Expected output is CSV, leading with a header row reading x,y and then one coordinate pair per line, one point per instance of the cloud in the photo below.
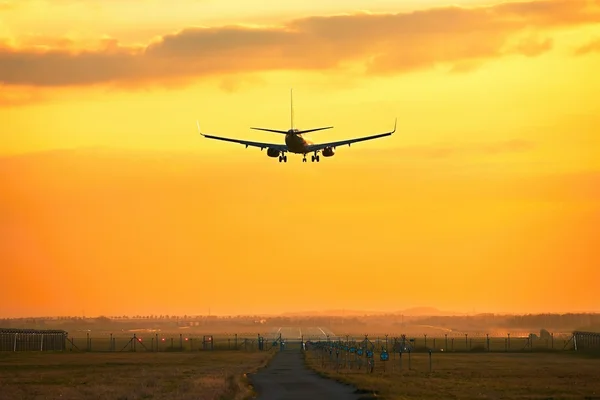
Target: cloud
x,y
13,96
232,83
466,66
591,47
6,5
381,43
532,46
42,42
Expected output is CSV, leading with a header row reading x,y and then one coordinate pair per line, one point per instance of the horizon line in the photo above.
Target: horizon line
x,y
306,313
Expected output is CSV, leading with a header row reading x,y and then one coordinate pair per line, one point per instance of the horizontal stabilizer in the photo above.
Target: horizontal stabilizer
x,y
271,130
313,130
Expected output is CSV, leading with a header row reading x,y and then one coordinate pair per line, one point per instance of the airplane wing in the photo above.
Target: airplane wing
x,y
321,146
280,147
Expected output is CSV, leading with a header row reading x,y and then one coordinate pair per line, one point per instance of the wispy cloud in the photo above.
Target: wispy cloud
x,y
18,95
7,5
591,47
532,46
382,43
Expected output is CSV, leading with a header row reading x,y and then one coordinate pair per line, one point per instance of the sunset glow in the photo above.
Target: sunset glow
x,y
487,197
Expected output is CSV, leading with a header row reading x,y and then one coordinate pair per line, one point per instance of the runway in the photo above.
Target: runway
x,y
306,333
287,377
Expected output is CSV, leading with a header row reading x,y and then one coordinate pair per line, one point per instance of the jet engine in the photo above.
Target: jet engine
x,y
328,152
271,152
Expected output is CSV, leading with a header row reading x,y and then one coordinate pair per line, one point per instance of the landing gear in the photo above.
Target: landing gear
x,y
313,158
283,158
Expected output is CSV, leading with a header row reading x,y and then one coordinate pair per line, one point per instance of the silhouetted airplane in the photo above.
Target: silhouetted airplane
x,y
295,143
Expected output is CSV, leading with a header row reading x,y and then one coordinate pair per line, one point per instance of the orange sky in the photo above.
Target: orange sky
x,y
486,198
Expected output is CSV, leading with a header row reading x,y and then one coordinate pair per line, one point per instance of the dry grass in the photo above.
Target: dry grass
x,y
474,376
179,376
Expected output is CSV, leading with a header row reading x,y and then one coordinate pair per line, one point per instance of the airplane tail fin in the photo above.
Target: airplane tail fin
x,y
292,109
292,129
300,132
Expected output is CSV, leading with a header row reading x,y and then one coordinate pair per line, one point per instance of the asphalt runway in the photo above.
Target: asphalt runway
x,y
296,333
287,378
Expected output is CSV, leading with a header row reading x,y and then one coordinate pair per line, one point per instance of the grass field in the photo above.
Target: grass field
x,y
473,376
200,375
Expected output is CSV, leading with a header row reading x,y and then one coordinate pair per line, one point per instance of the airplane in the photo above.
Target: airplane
x,y
295,143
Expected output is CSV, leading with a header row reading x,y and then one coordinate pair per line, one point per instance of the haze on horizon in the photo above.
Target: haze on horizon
x,y
487,197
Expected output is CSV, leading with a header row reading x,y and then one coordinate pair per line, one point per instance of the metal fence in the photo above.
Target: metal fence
x,y
586,341
166,343
32,340
58,340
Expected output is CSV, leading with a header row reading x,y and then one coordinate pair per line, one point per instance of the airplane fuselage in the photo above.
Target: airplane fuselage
x,y
296,143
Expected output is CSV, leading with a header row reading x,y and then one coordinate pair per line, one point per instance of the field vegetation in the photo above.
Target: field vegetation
x,y
537,375
128,375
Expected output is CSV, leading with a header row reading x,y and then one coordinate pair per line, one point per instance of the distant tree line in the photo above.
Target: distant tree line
x,y
554,322
536,321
